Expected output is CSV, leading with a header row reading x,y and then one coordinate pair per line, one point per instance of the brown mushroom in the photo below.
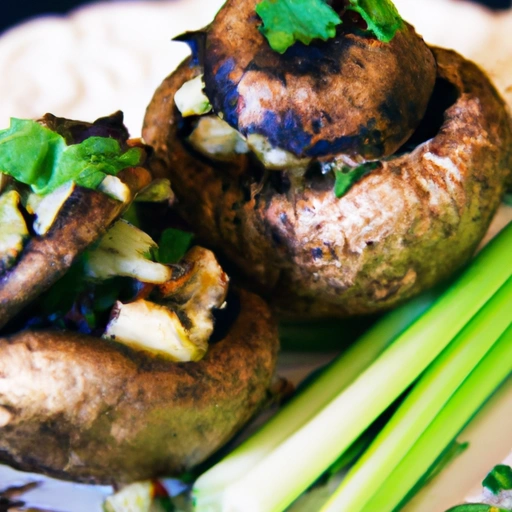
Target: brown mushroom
x,y
106,399
86,409
408,224
352,95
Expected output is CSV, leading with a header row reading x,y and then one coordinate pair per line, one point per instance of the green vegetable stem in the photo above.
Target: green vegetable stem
x,y
274,478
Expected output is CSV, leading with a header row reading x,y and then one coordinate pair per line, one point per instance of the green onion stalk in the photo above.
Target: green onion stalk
x,y
469,398
340,373
428,398
277,479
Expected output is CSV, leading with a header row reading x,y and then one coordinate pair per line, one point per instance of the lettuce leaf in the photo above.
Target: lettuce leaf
x,y
41,158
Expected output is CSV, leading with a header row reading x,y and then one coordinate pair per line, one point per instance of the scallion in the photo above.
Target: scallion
x,y
424,403
275,481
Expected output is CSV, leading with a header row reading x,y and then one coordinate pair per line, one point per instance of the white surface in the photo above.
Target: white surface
x,y
112,56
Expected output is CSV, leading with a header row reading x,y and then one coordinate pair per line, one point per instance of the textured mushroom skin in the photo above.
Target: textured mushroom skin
x,y
402,228
337,97
84,409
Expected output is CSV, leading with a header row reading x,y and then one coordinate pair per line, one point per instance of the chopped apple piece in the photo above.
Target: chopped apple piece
x,y
147,326
13,230
47,208
214,138
123,251
112,186
191,99
136,497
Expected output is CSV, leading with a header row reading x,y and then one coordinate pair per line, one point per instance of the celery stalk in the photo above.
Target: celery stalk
x,y
273,483
424,403
304,406
478,387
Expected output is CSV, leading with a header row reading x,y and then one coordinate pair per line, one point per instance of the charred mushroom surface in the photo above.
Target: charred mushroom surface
x,y
351,95
81,408
408,224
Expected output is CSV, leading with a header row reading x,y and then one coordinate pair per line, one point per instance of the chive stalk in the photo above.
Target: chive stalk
x,y
424,403
339,374
273,483
492,371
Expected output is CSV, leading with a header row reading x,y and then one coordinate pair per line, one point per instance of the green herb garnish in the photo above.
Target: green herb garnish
x,y
39,157
347,176
381,17
287,21
172,246
499,479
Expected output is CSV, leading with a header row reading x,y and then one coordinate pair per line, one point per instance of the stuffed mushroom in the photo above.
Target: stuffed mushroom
x,y
340,177
121,358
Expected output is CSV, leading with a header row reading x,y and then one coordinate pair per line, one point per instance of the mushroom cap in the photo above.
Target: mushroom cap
x,y
405,226
85,409
351,95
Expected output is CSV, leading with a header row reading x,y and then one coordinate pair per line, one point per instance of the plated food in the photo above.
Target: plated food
x,y
121,359
337,222
141,401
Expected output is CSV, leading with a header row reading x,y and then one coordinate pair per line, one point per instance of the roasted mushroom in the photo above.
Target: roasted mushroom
x,y
117,363
322,173
83,408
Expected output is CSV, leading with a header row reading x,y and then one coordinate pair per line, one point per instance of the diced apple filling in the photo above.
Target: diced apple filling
x,y
13,229
180,324
191,99
47,208
124,251
144,325
214,138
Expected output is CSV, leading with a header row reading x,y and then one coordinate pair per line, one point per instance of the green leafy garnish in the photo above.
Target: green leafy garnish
x,y
381,16
499,479
172,246
287,21
39,157
347,176
507,199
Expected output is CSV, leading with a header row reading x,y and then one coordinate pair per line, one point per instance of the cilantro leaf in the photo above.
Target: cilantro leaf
x,y
173,245
39,157
287,21
499,479
381,16
347,176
